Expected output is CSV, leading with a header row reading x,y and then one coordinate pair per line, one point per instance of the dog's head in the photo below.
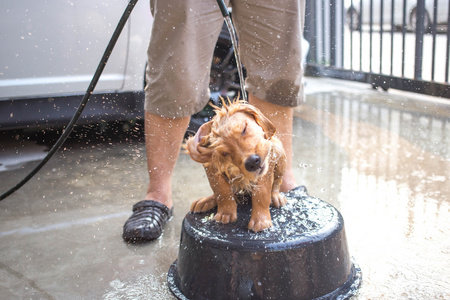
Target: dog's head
x,y
237,141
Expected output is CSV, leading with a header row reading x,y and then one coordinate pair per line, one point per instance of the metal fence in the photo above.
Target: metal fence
x,y
400,44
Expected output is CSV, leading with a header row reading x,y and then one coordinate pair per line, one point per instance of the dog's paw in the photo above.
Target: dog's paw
x,y
259,224
278,200
225,217
203,204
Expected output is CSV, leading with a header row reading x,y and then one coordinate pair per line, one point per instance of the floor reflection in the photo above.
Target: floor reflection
x,y
389,168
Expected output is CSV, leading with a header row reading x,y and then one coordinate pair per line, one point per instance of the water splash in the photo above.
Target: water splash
x,y
144,287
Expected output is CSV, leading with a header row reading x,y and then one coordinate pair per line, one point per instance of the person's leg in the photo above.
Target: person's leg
x,y
270,43
179,59
270,35
282,117
163,138
180,52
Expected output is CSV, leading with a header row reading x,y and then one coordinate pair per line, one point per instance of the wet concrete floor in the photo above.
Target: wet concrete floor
x,y
382,159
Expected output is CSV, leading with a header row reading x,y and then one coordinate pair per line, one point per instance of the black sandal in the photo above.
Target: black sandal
x,y
147,221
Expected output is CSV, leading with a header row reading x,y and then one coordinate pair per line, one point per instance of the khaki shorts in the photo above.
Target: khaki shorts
x,y
182,46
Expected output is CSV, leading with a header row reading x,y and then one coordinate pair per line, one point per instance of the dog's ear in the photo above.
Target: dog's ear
x,y
261,120
197,146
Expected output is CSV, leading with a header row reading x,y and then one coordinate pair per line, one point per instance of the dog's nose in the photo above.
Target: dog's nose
x,y
253,163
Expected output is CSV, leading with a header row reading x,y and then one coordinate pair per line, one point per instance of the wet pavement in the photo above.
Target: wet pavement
x,y
382,159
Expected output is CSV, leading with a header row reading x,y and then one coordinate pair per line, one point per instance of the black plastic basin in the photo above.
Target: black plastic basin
x,y
303,256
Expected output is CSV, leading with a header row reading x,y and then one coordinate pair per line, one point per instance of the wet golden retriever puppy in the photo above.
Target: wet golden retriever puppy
x,y
240,153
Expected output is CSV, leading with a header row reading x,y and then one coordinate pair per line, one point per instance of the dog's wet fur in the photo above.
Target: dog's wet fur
x,y
240,153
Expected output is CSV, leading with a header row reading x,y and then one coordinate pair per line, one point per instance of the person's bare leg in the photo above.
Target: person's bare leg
x,y
163,139
282,117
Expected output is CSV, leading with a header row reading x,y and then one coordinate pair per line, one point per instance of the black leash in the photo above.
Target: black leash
x,y
68,130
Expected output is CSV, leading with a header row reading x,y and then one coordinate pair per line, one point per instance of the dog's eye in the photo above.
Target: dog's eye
x,y
224,154
244,130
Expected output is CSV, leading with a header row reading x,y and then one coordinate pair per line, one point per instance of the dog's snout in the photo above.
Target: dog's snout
x,y
253,163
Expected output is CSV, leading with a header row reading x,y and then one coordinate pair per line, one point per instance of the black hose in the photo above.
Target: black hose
x,y
223,8
68,130
227,17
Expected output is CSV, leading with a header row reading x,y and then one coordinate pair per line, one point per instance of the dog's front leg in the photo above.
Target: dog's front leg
x,y
226,210
223,195
261,198
278,199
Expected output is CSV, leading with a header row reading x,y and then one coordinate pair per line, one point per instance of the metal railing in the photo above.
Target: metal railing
x,y
399,44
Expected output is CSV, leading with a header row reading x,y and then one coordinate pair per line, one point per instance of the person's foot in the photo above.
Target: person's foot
x,y
147,221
